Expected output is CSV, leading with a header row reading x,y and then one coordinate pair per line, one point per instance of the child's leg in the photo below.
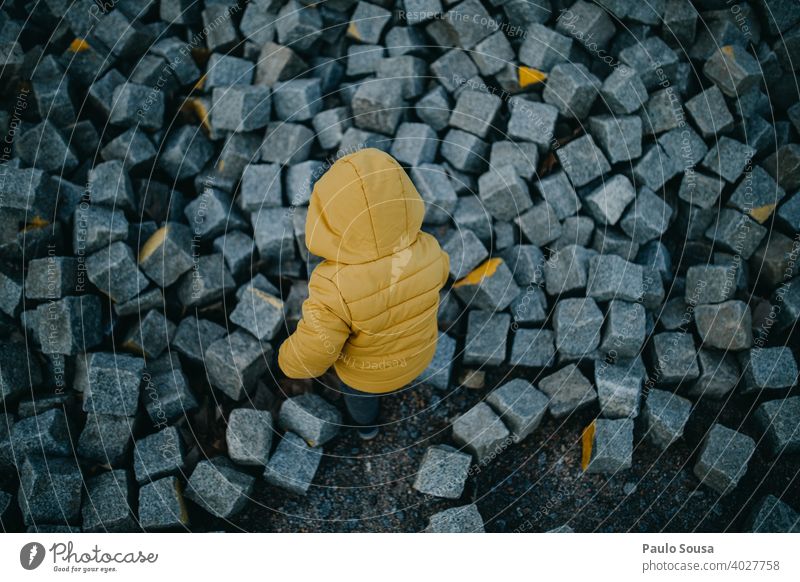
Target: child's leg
x,y
362,406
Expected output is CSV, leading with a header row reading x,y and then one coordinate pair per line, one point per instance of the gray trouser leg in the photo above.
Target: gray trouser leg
x,y
362,406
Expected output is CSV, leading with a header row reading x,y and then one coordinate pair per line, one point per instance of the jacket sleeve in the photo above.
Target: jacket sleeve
x,y
324,328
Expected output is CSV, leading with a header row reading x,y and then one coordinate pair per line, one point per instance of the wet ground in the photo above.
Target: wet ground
x,y
532,486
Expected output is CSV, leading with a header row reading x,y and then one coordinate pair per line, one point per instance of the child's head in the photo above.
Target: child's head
x,y
363,208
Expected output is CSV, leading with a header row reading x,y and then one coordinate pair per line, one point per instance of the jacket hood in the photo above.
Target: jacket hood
x,y
363,208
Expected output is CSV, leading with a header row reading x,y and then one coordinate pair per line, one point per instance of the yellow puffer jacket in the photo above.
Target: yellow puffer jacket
x,y
371,310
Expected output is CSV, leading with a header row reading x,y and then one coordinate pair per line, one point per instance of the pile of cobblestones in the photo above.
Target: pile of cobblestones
x,y
616,184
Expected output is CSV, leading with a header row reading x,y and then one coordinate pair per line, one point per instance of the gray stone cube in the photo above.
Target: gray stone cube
x,y
465,519
287,143
619,387
582,160
161,505
728,158
112,384
443,472
533,348
453,69
150,335
158,455
543,48
767,369
224,70
719,374
674,358
487,334
611,277
259,313
777,420
114,272
193,335
106,439
771,515
569,391
611,446
490,286
608,202
70,325
572,88
378,105
521,407
493,53
260,187
566,270
107,506
466,252
475,112
577,323
522,156
464,151
293,465
623,91
666,415
330,125
733,69
652,60
167,254
532,121
709,112
297,99
504,194
137,105
736,232
219,488
240,107
45,434
647,218
249,436
235,362
311,417
414,144
655,168
624,332
50,490
434,108
51,278
723,458
481,432
539,224
709,284
726,326
438,372
619,136
436,190
526,263
168,397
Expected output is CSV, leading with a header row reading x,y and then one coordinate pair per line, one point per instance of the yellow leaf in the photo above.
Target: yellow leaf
x,y
78,45
155,241
762,213
36,222
587,440
530,76
201,112
352,31
481,272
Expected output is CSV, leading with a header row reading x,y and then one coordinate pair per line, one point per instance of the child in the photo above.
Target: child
x,y
372,303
